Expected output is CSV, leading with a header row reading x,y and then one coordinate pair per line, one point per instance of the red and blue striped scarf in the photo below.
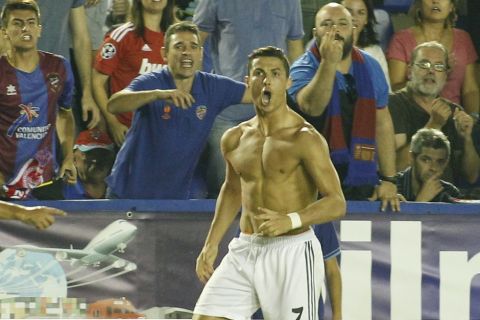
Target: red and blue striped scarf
x,y
361,154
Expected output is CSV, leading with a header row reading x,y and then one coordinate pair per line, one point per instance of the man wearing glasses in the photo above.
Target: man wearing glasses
x,y
342,91
418,106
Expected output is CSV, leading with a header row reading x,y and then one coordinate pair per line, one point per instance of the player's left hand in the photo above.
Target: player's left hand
x,y
387,193
274,224
90,107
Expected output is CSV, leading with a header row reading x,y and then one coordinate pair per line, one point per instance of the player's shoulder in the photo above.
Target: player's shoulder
x,y
231,137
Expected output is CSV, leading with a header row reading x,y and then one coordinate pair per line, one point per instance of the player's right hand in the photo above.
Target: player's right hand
x,y
205,262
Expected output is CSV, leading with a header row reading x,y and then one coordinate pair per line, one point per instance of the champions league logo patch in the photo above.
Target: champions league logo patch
x,y
108,51
201,112
54,81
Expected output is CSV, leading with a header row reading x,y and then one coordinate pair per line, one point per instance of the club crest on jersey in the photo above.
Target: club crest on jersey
x,y
54,81
166,112
201,112
108,51
11,90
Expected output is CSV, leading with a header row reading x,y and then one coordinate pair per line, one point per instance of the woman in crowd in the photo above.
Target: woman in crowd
x,y
128,51
434,21
364,34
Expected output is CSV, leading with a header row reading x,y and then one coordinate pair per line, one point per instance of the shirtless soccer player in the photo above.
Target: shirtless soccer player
x,y
277,165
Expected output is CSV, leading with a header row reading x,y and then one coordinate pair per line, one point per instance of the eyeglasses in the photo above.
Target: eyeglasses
x,y
427,65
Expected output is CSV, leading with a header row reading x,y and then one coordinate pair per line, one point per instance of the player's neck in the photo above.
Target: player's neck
x,y
26,61
273,121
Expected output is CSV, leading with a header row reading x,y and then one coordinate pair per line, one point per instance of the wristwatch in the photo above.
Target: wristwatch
x,y
391,179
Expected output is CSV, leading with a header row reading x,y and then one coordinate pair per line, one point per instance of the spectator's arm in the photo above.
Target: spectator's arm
x,y
127,100
315,96
387,191
470,159
470,92
334,285
397,71
39,217
115,128
203,36
82,48
295,49
66,133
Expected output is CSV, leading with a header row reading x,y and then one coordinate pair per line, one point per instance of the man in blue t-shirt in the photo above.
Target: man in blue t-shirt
x,y
174,111
342,91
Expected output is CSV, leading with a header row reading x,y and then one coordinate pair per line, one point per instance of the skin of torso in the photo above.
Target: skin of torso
x,y
271,173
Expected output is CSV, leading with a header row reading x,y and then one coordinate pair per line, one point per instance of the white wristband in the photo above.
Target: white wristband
x,y
295,219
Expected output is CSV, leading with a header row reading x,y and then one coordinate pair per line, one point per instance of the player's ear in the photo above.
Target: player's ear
x,y
246,80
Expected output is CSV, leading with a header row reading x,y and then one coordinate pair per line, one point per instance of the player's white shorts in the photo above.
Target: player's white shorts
x,y
282,275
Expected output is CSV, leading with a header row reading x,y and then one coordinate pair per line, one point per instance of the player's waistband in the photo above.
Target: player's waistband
x,y
257,239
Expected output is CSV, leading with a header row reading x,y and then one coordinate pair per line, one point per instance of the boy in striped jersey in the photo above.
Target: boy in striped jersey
x,y
35,106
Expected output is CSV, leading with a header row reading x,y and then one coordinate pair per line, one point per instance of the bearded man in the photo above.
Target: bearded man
x,y
419,106
342,91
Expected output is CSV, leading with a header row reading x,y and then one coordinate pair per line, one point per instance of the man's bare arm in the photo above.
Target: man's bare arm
x,y
387,191
127,100
228,205
66,137
39,217
315,96
295,49
334,285
316,159
82,48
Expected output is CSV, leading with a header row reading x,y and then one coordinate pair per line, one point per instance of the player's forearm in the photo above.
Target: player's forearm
x,y
125,100
329,208
315,96
384,137
227,208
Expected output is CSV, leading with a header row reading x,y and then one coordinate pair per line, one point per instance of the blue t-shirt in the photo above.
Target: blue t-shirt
x,y
237,27
162,148
304,68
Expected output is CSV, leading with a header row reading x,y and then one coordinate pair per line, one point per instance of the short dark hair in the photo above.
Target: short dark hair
x,y
269,51
184,26
11,5
429,138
